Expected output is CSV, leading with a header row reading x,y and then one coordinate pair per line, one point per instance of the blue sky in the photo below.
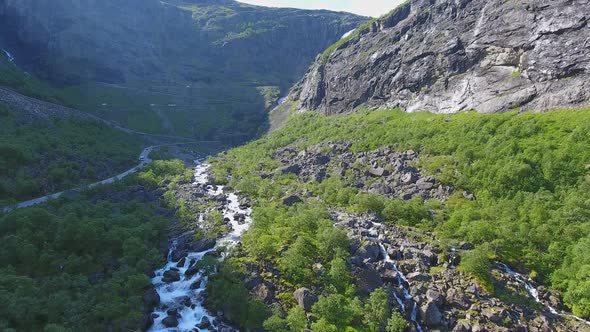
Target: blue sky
x,y
373,8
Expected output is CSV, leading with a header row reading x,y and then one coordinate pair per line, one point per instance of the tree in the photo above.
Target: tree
x,y
396,323
376,310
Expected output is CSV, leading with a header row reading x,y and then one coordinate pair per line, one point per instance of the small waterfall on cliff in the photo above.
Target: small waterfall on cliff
x,y
183,298
8,55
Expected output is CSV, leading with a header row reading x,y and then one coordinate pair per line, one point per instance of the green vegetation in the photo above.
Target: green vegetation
x,y
41,157
529,173
358,32
80,263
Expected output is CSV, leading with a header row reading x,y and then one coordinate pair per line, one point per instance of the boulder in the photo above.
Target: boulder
x,y
292,200
146,322
418,276
378,172
370,252
367,279
204,245
170,321
151,298
431,315
204,324
171,275
294,169
305,298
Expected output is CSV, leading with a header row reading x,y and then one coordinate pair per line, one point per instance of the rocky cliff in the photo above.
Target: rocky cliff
x,y
447,56
192,66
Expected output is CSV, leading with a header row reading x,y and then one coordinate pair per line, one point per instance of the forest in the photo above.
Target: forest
x,y
529,174
82,262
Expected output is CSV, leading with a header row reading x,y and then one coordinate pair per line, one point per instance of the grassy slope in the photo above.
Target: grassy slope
x,y
52,155
528,171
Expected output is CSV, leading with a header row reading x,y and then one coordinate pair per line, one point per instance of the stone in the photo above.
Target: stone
x,y
294,169
204,245
204,324
431,315
452,56
418,276
305,298
292,200
151,298
378,172
171,275
170,321
371,253
367,279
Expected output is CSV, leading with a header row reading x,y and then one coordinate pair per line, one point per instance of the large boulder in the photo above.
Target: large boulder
x,y
305,298
204,245
430,315
151,298
171,275
170,321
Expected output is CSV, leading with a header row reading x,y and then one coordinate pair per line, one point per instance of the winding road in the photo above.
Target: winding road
x,y
144,158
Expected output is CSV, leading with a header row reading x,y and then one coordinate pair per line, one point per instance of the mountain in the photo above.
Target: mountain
x,y
449,56
192,68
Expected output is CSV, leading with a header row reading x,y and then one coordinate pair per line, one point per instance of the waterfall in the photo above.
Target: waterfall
x,y
185,295
403,282
8,55
526,282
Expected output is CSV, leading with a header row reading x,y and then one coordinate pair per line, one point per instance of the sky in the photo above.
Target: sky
x,y
373,8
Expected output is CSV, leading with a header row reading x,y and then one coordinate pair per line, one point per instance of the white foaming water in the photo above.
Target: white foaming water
x,y
403,282
8,55
347,34
282,100
174,295
535,293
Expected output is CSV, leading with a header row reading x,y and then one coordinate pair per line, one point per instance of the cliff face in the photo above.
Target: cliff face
x,y
208,58
447,56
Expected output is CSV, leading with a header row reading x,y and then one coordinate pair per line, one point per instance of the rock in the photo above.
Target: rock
x,y
204,245
378,172
370,252
191,271
418,276
151,298
367,279
390,276
408,178
181,262
294,169
468,195
170,321
147,320
462,327
304,298
292,200
264,292
425,184
171,275
451,56
434,297
430,315
252,282
204,324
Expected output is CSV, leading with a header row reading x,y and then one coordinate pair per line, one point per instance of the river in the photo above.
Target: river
x,y
181,301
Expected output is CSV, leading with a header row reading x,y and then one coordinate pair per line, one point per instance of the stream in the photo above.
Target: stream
x,y
526,282
403,286
182,300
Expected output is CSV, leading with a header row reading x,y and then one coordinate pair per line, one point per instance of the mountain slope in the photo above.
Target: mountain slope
x,y
448,56
191,68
